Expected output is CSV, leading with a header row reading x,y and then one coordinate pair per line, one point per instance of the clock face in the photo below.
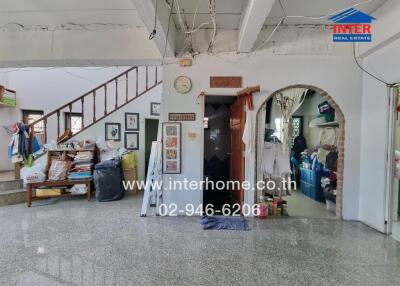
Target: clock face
x,y
183,84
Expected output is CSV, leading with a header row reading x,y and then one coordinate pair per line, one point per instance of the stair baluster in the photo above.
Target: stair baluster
x,y
105,99
147,77
116,93
94,106
137,81
83,113
126,88
58,123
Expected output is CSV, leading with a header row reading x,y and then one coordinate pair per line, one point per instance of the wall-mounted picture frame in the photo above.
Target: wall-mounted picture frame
x,y
132,122
155,108
112,131
131,140
172,147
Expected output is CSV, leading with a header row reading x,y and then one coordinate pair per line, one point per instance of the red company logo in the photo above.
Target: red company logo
x,y
352,25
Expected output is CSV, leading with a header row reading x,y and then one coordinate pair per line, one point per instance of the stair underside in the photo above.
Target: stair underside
x,y
10,185
12,197
11,192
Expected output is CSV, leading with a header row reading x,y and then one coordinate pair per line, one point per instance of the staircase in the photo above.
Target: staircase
x,y
93,106
11,191
100,102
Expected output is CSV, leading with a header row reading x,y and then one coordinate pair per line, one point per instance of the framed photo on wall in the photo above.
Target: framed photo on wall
x,y
132,140
155,108
113,131
131,121
172,147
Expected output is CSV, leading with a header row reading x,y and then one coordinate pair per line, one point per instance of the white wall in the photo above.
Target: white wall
x,y
373,187
382,60
309,110
49,88
140,105
335,74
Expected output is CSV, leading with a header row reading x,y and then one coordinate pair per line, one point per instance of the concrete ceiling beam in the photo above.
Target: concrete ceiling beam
x,y
252,21
146,10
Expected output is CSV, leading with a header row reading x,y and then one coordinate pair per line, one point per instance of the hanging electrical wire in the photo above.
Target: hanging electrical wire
x,y
332,13
166,36
270,35
154,32
180,20
306,17
367,72
211,7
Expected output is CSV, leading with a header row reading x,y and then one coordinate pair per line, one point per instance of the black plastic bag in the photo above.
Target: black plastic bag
x,y
108,181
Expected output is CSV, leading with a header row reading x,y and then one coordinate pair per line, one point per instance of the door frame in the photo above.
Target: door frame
x,y
202,102
340,144
393,94
144,148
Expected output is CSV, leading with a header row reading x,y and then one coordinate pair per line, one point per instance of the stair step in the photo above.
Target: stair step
x,y
10,185
12,197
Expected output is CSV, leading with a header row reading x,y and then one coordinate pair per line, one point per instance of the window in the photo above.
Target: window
x,y
30,116
73,122
297,128
278,128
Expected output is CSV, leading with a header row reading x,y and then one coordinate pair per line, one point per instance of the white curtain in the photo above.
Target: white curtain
x,y
248,132
289,101
260,145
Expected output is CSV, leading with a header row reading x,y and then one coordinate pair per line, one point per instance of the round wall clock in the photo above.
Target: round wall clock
x,y
183,84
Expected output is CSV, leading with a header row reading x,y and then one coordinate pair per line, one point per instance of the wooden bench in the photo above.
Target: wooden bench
x,y
63,183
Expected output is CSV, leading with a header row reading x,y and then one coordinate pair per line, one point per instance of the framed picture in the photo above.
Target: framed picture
x,y
113,131
155,108
132,140
172,147
131,121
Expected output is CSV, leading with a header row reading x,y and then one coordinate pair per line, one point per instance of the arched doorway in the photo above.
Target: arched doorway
x,y
339,117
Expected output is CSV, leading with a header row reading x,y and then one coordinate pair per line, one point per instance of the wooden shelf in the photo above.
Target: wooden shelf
x,y
328,124
72,150
62,153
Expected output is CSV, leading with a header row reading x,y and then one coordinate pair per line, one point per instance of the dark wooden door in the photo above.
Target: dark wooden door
x,y
151,129
237,121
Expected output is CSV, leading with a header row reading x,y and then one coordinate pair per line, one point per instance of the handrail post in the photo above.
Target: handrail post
x,y
45,130
70,116
58,123
137,81
105,99
116,93
94,106
156,75
126,87
147,77
83,113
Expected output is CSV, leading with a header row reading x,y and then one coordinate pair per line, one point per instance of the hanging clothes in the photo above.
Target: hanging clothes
x,y
321,155
328,136
275,160
248,137
289,101
19,145
299,145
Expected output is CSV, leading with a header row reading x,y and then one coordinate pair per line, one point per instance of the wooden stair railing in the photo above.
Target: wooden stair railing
x,y
114,85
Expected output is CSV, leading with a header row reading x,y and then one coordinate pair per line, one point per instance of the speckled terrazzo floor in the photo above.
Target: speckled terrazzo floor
x,y
73,242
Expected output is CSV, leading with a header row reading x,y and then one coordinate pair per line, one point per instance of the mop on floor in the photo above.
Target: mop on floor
x,y
224,222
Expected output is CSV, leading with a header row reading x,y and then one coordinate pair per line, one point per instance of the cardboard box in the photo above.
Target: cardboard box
x,y
49,192
130,175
